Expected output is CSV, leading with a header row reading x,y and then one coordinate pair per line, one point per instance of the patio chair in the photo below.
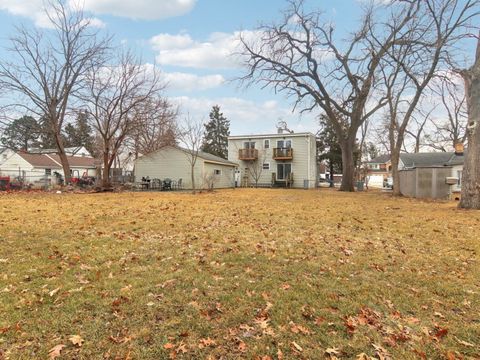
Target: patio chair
x,y
156,184
167,184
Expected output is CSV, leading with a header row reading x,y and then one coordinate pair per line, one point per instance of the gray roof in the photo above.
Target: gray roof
x,y
210,157
426,159
457,159
423,159
381,159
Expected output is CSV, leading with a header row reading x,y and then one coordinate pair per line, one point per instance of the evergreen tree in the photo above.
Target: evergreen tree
x,y
47,136
80,133
21,134
328,147
217,130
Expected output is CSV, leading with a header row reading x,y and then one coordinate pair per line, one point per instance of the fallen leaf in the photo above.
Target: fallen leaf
x,y
363,356
53,292
296,347
242,347
206,343
168,346
440,333
332,351
55,351
285,286
76,340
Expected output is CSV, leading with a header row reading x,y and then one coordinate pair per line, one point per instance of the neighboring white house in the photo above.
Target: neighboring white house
x,y
38,168
173,163
275,159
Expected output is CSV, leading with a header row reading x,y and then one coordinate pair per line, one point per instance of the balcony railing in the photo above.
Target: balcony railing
x,y
282,153
248,154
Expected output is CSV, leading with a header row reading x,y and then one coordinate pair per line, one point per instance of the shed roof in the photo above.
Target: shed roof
x,y
201,154
210,157
426,159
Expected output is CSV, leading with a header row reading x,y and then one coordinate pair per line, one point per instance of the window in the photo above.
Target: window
x,y
217,172
284,144
266,166
266,144
459,176
249,145
4,156
48,171
283,170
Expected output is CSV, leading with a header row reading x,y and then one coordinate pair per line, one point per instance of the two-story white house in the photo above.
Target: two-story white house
x,y
282,159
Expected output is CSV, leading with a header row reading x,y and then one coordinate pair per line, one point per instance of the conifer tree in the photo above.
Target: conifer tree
x,y
217,130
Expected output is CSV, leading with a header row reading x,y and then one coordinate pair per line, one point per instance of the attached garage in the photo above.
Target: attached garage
x,y
173,163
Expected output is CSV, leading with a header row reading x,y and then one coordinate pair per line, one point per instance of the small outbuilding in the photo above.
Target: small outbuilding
x,y
173,162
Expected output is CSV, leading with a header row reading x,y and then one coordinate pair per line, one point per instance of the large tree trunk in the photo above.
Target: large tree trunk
x,y
395,159
192,174
63,158
106,170
471,168
348,166
330,162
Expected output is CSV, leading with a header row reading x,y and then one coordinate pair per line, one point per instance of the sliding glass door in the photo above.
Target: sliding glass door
x,y
283,170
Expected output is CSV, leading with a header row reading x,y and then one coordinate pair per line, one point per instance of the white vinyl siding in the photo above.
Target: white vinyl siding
x,y
304,164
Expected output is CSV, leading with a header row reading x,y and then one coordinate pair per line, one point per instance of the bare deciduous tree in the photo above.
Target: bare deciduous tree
x,y
46,66
414,62
156,127
417,130
115,100
471,168
255,167
303,57
191,137
452,130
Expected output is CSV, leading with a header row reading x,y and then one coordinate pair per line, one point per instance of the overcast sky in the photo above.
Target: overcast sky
x,y
190,40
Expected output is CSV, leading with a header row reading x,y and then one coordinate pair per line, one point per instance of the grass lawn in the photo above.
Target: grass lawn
x,y
254,274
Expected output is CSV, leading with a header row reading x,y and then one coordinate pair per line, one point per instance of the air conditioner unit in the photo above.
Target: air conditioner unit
x,y
451,180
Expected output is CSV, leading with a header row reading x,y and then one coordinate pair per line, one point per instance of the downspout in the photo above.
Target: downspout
x,y
308,161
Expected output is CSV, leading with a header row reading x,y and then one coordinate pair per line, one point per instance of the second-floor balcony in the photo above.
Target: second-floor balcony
x,y
283,153
248,154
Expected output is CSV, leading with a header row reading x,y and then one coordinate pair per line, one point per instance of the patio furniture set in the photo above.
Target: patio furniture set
x,y
159,184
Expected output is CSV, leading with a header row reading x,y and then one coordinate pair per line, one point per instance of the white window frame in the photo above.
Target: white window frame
x,y
266,144
48,171
268,166
217,172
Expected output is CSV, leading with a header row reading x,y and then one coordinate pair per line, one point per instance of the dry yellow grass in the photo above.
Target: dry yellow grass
x,y
237,274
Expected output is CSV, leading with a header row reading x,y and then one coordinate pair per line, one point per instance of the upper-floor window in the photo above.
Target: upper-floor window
x,y
266,144
217,172
266,166
459,175
48,171
284,144
249,145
